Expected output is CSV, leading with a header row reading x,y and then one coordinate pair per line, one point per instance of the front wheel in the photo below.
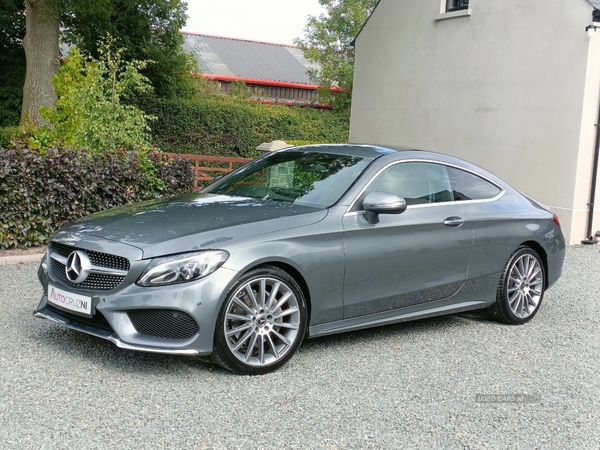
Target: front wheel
x,y
262,322
521,288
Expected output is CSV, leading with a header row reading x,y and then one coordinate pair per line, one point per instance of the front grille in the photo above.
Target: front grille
x,y
164,323
94,281
96,258
97,321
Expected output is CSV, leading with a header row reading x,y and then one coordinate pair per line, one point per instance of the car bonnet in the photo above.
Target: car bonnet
x,y
190,222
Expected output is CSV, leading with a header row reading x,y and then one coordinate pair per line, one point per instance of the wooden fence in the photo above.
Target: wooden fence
x,y
207,168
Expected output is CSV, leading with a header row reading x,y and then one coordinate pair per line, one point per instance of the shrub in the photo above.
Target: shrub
x,y
38,193
90,111
211,124
7,134
297,143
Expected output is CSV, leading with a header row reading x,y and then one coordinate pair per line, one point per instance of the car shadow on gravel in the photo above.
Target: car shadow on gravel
x,y
71,344
108,357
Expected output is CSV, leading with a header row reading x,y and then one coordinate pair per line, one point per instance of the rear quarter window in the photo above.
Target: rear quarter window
x,y
468,186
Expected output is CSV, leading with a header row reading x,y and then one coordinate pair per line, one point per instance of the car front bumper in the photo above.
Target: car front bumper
x,y
197,304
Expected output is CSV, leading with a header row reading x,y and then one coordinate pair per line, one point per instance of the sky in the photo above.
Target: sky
x,y
277,21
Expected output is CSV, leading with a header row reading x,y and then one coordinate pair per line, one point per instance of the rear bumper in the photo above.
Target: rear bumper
x,y
555,251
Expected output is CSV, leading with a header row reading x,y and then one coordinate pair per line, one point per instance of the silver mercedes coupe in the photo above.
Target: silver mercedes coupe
x,y
300,243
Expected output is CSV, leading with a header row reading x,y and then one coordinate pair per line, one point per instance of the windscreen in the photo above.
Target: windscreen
x,y
301,177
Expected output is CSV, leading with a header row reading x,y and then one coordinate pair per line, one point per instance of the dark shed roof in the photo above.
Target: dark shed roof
x,y
248,59
595,3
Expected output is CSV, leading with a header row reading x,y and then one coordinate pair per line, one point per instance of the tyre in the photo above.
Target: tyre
x,y
261,323
521,288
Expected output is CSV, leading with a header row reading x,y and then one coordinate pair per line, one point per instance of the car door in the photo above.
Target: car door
x,y
496,228
415,257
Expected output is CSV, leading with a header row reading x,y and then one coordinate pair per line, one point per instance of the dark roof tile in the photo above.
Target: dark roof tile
x,y
248,59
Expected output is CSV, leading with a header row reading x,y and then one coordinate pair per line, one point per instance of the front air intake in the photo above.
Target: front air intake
x,y
164,323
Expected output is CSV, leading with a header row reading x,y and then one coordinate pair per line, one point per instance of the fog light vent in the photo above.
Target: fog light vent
x,y
164,323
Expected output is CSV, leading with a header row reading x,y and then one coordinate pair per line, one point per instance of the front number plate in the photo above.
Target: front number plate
x,y
67,300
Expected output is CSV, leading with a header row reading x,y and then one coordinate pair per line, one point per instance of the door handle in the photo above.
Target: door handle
x,y
454,221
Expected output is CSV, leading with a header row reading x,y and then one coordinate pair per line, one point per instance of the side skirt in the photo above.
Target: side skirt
x,y
437,308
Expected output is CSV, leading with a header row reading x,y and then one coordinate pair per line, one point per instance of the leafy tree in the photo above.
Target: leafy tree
x,y
147,29
90,112
327,41
12,25
12,60
42,21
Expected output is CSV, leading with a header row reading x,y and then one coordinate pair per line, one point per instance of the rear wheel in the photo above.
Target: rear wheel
x,y
521,288
261,323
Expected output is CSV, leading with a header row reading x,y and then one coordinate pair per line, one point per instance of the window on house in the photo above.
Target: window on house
x,y
456,5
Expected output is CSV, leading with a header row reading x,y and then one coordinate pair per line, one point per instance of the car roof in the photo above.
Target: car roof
x,y
365,151
369,151
395,153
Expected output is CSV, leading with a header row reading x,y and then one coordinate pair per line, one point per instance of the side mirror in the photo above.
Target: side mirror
x,y
376,203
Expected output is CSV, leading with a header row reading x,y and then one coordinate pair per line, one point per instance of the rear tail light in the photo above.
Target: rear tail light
x,y
556,220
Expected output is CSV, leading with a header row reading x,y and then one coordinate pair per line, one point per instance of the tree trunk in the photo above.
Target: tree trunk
x,y
41,51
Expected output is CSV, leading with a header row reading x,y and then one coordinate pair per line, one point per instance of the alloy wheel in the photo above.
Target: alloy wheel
x,y
525,285
262,321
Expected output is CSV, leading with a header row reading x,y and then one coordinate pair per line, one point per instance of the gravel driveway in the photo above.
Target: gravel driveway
x,y
455,382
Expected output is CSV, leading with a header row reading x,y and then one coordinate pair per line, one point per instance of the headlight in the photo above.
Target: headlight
x,y
43,271
182,268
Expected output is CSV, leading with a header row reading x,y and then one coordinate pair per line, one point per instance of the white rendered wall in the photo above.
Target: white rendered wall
x,y
512,87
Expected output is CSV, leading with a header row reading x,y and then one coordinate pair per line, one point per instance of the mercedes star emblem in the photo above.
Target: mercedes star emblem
x,y
77,267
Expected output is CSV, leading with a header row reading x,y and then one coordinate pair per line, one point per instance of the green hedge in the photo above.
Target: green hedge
x,y
38,194
229,126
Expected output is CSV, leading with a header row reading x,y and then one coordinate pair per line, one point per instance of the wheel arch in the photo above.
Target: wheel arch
x,y
543,255
226,356
298,278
